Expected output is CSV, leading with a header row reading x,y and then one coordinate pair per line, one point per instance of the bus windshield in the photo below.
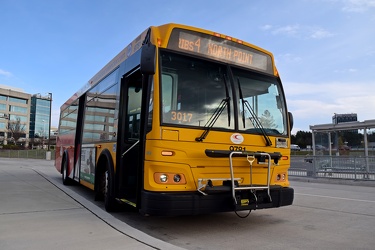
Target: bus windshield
x,y
192,91
260,103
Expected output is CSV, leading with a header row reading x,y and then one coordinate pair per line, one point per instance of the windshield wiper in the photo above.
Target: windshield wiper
x,y
228,98
254,120
211,122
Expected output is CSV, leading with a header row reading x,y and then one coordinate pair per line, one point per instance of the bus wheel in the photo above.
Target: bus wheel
x,y
64,173
109,200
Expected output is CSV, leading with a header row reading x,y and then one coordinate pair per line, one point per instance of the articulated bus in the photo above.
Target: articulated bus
x,y
182,121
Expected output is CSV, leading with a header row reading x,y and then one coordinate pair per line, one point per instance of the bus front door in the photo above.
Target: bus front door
x,y
129,134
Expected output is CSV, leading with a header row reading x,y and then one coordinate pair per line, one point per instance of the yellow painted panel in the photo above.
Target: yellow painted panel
x,y
168,134
87,184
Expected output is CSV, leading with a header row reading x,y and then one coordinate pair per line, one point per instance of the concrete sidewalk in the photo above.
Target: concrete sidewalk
x,y
38,212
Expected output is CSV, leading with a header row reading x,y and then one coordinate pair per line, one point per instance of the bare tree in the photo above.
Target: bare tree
x,y
267,120
16,130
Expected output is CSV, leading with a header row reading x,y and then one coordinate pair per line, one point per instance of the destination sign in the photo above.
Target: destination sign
x,y
219,49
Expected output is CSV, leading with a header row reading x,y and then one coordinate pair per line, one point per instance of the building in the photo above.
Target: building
x,y
40,116
24,118
15,116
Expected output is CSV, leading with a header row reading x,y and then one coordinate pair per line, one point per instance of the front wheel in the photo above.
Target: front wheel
x,y
109,200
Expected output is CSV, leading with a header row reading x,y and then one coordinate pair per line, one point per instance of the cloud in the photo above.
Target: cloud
x,y
358,5
289,58
266,27
5,73
298,31
329,89
341,71
313,103
320,33
286,30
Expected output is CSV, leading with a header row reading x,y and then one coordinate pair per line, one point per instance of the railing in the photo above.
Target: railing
x,y
30,154
340,167
319,166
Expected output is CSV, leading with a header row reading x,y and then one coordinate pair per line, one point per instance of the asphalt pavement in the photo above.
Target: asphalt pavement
x,y
38,212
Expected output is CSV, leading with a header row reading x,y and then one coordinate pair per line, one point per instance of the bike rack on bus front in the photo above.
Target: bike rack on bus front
x,y
250,157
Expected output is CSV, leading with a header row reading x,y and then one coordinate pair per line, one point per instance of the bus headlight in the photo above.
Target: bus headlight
x,y
163,178
177,178
281,177
169,178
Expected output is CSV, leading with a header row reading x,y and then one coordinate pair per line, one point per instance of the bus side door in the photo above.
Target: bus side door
x,y
127,169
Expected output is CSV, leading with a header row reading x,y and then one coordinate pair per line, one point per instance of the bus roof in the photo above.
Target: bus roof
x,y
129,50
136,44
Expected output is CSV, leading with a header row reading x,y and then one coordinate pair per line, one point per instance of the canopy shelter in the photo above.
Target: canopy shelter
x,y
329,128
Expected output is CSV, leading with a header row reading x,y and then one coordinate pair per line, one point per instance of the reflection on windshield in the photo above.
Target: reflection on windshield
x,y
193,89
263,96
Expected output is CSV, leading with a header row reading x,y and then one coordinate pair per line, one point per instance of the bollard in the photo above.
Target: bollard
x,y
48,155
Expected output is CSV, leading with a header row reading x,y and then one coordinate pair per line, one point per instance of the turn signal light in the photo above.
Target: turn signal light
x,y
167,153
284,157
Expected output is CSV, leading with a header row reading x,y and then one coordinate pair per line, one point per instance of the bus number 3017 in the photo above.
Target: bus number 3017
x,y
237,148
181,116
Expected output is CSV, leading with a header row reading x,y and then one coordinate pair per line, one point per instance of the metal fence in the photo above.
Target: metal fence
x,y
319,166
340,167
30,154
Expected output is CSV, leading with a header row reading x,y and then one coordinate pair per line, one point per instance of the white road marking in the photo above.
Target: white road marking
x,y
332,197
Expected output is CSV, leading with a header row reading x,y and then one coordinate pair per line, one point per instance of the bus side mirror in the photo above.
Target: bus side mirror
x,y
291,121
148,59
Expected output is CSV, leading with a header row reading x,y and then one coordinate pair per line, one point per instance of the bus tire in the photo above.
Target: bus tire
x,y
104,182
64,173
109,200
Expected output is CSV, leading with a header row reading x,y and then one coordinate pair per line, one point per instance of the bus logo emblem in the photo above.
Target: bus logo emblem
x,y
236,138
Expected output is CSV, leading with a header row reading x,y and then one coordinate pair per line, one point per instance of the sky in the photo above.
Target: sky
x,y
324,49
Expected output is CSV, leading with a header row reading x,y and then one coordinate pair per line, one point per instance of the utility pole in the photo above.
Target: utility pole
x,y
49,123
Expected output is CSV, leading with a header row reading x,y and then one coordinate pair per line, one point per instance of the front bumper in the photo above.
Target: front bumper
x,y
191,203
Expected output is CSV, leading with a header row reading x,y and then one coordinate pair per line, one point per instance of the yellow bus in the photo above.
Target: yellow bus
x,y
182,121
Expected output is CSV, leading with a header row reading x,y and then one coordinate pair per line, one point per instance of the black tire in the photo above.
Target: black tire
x,y
64,173
110,203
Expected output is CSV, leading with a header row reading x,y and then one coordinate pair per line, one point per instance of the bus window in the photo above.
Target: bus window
x,y
99,118
68,119
167,93
192,90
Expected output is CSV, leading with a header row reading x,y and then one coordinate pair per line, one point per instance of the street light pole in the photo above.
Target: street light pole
x,y
49,123
44,132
